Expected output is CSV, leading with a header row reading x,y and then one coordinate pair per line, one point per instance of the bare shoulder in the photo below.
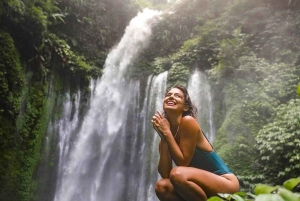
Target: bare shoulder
x,y
189,122
188,119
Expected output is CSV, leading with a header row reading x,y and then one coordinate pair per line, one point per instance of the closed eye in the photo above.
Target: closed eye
x,y
177,95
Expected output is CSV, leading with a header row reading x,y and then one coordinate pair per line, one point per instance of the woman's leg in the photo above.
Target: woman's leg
x,y
165,191
194,184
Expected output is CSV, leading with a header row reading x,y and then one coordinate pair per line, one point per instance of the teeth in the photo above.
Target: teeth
x,y
171,102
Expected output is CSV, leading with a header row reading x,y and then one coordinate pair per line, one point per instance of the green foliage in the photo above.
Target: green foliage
x,y
229,52
67,56
269,29
93,27
36,18
235,141
267,85
11,79
69,40
291,183
179,26
20,143
162,64
279,145
31,128
144,3
21,138
74,65
7,6
260,87
263,192
249,101
29,30
11,83
29,27
191,43
247,43
178,74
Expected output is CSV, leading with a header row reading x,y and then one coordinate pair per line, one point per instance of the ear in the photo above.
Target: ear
x,y
186,108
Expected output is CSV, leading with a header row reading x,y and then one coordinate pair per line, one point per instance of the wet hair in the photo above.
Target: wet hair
x,y
192,111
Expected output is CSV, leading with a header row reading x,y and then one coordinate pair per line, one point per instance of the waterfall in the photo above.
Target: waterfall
x,y
156,88
199,90
111,154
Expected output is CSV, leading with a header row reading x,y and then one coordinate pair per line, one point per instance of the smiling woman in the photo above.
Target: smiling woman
x,y
200,172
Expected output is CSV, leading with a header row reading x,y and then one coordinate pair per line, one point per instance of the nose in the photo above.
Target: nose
x,y
171,96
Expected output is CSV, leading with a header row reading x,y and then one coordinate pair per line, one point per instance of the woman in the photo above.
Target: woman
x,y
199,173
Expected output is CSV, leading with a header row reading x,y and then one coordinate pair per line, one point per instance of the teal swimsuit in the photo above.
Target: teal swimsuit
x,y
209,161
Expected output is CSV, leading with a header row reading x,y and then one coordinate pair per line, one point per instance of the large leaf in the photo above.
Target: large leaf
x,y
242,194
224,195
237,197
291,183
269,197
215,198
288,195
264,189
245,195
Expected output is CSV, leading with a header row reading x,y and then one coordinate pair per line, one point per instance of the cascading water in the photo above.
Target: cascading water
x,y
199,90
111,153
156,87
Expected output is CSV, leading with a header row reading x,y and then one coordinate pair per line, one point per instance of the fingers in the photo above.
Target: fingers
x,y
159,114
156,127
157,119
154,122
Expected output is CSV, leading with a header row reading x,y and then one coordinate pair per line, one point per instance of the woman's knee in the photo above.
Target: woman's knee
x,y
234,183
161,186
164,189
177,176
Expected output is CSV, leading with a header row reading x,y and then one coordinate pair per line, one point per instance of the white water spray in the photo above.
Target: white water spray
x,y
200,93
156,88
99,156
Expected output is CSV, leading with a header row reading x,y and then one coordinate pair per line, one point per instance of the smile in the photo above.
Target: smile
x,y
170,103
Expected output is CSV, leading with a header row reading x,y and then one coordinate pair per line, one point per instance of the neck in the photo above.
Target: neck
x,y
174,121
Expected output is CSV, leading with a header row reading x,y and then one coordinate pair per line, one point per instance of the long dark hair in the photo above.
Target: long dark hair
x,y
192,111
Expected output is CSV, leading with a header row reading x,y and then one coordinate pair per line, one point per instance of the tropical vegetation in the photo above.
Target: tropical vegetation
x,y
248,49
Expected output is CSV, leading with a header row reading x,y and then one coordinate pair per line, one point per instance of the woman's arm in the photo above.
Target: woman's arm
x,y
188,130
183,152
165,160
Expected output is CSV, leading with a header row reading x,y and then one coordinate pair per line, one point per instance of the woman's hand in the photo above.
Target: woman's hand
x,y
160,124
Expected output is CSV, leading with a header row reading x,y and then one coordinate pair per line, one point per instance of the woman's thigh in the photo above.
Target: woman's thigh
x,y
209,182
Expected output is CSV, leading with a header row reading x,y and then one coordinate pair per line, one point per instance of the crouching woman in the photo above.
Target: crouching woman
x,y
199,173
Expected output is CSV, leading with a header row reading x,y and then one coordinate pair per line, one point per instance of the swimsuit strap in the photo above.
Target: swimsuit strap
x,y
207,139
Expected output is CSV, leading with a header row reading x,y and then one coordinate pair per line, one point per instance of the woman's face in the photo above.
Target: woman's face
x,y
174,100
